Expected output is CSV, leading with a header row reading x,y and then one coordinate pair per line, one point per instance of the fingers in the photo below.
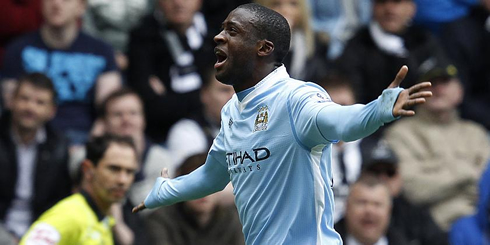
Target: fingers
x,y
419,86
140,207
422,94
399,77
405,113
413,102
164,173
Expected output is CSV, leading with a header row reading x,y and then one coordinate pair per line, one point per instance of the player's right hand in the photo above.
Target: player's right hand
x,y
142,206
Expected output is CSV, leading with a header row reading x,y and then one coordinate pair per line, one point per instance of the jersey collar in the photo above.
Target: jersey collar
x,y
277,75
93,206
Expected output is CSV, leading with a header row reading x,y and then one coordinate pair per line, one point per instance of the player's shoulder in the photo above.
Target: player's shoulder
x,y
232,101
297,89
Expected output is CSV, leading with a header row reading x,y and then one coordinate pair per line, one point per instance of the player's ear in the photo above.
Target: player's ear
x,y
266,47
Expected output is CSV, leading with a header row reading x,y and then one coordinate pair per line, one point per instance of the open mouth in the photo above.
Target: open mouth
x,y
220,57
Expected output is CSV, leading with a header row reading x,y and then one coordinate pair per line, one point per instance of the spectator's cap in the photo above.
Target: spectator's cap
x,y
378,157
435,68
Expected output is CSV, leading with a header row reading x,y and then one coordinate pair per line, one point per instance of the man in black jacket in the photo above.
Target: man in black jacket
x,y
377,51
167,54
33,158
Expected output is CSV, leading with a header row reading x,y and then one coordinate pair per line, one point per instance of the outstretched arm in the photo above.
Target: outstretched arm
x,y
349,123
207,179
320,121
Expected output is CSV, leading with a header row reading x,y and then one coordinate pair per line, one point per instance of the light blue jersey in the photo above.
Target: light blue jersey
x,y
274,145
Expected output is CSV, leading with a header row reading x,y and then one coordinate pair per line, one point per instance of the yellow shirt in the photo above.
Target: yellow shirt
x,y
71,221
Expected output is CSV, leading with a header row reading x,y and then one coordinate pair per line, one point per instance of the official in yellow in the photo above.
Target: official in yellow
x,y
108,172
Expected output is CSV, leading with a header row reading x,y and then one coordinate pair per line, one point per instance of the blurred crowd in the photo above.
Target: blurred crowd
x,y
72,71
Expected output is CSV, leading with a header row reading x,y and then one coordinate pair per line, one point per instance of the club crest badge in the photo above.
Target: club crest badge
x,y
262,119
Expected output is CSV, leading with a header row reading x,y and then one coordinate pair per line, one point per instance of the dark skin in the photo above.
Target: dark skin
x,y
248,58
244,60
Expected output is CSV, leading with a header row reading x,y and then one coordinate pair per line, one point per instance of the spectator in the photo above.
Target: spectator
x,y
82,68
414,222
475,229
340,20
467,42
376,52
202,127
200,222
306,57
439,175
122,114
112,21
17,17
367,215
346,156
33,158
82,218
167,54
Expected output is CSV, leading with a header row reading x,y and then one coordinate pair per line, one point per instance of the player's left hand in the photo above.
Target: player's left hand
x,y
409,97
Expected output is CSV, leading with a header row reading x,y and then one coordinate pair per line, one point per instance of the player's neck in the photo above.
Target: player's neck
x,y
259,73
59,38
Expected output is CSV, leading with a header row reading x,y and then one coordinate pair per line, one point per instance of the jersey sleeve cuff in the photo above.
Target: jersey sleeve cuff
x,y
154,198
387,101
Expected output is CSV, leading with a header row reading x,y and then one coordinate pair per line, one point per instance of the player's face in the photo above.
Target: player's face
x,y
236,48
215,96
32,107
60,13
125,116
393,15
114,174
368,212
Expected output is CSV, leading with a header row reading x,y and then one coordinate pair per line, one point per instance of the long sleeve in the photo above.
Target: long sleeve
x,y
318,120
207,179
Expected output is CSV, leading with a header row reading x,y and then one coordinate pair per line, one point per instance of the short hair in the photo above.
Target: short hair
x,y
191,163
370,180
124,91
97,146
272,26
39,81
